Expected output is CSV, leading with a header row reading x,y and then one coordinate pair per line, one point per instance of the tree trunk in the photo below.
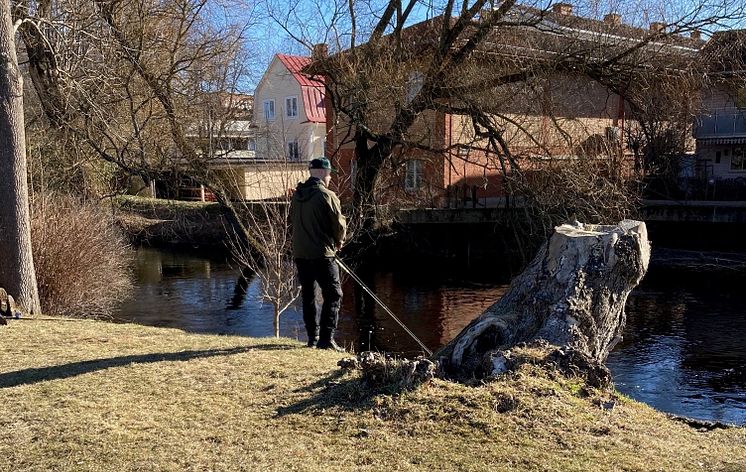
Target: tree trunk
x,y
17,273
277,319
370,160
571,295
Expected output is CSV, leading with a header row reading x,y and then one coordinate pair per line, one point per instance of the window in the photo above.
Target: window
x,y
413,179
718,157
741,97
291,107
293,151
737,159
269,110
251,145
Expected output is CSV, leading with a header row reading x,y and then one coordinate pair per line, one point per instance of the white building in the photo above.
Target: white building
x,y
290,114
721,128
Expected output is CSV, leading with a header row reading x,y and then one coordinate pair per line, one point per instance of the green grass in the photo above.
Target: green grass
x,y
170,222
161,208
88,395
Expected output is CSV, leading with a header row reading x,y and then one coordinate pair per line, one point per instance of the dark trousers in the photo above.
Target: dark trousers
x,y
325,273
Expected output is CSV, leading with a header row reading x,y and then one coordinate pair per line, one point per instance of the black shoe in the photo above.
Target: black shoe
x,y
331,345
312,341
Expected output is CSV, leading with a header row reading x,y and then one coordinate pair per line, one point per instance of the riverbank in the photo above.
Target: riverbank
x,y
473,244
86,395
170,223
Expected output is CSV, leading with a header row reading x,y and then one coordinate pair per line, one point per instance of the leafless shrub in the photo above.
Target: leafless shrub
x,y
588,189
268,254
81,258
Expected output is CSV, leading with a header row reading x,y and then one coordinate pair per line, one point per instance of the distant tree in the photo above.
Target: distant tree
x,y
131,80
472,57
17,274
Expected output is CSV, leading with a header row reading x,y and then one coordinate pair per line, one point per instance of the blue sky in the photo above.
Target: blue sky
x,y
310,20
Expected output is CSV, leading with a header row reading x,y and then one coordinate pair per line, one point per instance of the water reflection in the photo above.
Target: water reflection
x,y
201,295
683,351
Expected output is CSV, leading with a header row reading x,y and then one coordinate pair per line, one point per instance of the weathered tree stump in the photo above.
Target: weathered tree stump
x,y
571,295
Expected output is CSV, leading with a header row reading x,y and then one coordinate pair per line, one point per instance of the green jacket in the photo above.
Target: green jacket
x,y
318,224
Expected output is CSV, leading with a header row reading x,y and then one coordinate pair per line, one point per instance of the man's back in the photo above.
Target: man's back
x,y
318,224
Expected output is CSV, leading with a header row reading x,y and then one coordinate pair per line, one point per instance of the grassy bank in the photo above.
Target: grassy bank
x,y
172,223
86,395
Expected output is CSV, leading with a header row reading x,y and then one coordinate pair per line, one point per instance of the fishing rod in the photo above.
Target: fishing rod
x,y
382,305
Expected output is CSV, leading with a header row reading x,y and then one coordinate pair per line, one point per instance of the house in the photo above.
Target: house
x,y
226,129
291,118
720,131
563,117
226,137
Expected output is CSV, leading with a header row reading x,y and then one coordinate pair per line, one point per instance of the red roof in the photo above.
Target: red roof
x,y
312,90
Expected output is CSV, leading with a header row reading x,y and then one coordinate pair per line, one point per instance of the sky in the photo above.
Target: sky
x,y
282,26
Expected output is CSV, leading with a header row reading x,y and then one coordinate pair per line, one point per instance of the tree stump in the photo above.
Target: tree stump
x,y
572,296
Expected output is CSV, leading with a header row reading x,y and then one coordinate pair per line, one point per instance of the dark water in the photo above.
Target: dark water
x,y
684,350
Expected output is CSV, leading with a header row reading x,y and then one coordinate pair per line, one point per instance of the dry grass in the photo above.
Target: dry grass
x,y
163,209
87,395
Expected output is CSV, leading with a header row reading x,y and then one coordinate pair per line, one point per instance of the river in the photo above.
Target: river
x,y
684,349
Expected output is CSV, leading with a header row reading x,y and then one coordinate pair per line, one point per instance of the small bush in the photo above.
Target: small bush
x,y
81,258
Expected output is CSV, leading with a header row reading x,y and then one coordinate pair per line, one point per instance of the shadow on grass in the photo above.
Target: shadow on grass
x,y
336,391
42,374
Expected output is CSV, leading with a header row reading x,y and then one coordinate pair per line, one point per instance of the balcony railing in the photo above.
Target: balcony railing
x,y
730,123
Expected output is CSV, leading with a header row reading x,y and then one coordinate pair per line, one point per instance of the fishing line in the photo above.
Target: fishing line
x,y
382,305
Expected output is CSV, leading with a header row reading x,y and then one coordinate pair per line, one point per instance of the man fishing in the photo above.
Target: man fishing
x,y
319,229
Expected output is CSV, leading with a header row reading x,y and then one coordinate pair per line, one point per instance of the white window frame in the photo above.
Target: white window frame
x,y
413,178
269,109
293,151
291,107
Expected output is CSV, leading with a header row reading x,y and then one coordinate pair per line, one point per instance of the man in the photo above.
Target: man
x,y
318,232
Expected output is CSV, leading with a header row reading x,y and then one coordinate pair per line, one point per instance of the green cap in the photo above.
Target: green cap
x,y
320,163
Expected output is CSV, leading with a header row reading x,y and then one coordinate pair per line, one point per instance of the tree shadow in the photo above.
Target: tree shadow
x,y
335,391
42,374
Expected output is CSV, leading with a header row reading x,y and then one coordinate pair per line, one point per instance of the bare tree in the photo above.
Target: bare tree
x,y
270,253
17,273
485,64
129,80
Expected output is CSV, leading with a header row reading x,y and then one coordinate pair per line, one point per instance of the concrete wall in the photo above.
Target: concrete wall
x,y
262,180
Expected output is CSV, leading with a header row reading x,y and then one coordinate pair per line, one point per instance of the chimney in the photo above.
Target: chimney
x,y
562,9
319,51
657,27
614,19
696,35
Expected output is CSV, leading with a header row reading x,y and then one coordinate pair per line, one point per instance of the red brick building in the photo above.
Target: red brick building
x,y
569,117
